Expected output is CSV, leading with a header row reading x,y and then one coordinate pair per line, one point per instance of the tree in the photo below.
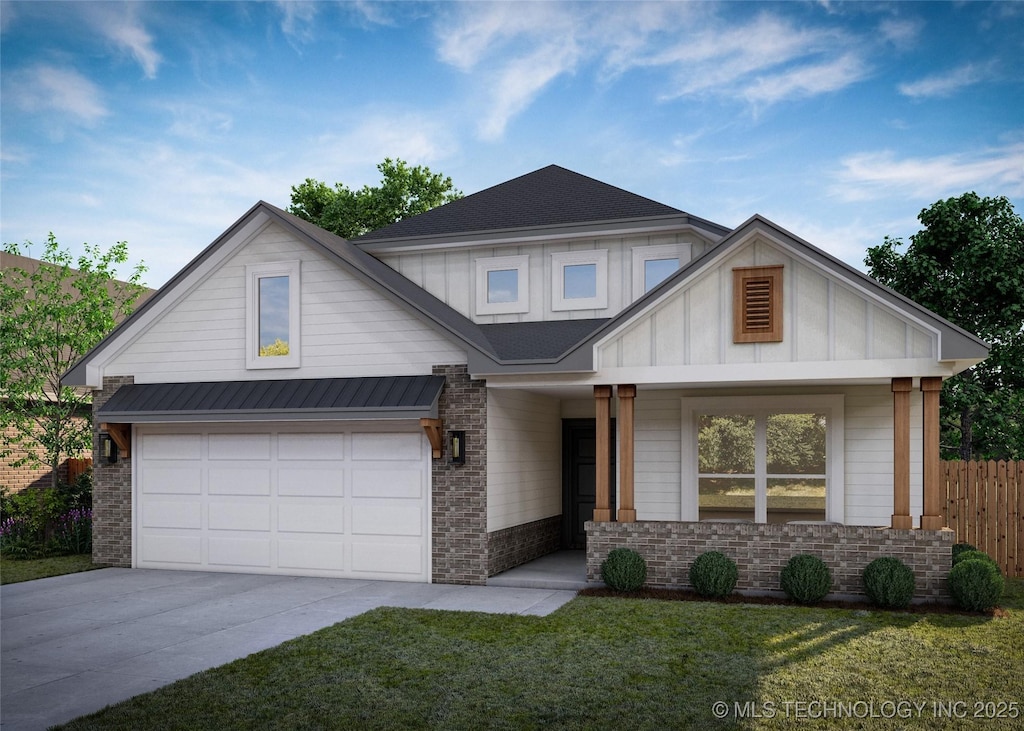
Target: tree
x,y
50,316
404,191
967,265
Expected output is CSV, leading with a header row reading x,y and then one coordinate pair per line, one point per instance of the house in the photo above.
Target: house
x,y
551,362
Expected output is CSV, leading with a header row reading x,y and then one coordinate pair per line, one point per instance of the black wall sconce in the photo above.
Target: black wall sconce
x,y
108,448
458,446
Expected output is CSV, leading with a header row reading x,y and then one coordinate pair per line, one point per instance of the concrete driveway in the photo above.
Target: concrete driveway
x,y
73,644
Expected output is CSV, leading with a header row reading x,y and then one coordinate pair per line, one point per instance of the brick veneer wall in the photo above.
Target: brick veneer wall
x,y
460,491
111,493
760,551
17,479
513,546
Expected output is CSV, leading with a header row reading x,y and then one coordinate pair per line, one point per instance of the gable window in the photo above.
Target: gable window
x,y
502,285
579,280
652,265
757,304
764,459
272,315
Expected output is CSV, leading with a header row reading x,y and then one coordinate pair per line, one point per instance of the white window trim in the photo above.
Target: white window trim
x,y
560,260
642,254
253,273
522,265
832,405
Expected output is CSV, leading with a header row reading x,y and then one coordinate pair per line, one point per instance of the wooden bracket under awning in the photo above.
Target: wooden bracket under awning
x,y
122,436
433,429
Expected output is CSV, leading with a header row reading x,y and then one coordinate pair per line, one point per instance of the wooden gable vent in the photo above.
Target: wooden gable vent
x,y
757,304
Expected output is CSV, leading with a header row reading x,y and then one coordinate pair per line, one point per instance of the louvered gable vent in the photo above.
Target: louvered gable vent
x,y
757,304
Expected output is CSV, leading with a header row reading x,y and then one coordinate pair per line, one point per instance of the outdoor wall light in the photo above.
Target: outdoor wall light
x,y
108,448
458,445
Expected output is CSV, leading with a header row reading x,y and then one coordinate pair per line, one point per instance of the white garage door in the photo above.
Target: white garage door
x,y
295,499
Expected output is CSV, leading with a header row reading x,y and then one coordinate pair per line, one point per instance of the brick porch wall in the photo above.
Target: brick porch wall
x,y
510,547
460,491
761,550
111,493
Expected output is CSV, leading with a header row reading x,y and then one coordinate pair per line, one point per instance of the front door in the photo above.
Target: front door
x,y
579,484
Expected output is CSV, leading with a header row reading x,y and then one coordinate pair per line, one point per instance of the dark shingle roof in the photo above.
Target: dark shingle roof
x,y
551,196
304,398
522,341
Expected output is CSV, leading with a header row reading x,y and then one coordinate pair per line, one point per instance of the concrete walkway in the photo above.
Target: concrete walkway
x,y
70,645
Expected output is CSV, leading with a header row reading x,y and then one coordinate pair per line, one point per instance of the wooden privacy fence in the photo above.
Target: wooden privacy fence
x,y
985,506
76,467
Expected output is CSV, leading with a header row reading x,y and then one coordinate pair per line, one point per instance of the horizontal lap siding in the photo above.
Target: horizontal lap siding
x,y
348,327
524,458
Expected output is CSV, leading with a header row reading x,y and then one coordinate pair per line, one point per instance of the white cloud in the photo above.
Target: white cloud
x,y
297,21
415,138
899,31
44,87
119,23
944,84
807,81
877,175
196,122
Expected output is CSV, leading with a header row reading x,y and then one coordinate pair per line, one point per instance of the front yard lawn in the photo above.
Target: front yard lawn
x,y
15,570
612,663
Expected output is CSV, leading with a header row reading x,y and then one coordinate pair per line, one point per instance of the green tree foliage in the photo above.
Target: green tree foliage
x,y
404,191
967,264
49,318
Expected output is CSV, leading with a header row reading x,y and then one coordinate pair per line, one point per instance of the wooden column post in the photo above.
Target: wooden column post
x,y
603,468
627,512
901,388
933,493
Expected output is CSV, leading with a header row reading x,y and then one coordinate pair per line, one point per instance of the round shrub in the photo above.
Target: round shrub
x,y
959,548
889,583
974,556
806,579
714,574
624,570
976,585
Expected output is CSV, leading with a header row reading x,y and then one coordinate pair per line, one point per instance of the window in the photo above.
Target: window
x,y
272,315
763,459
579,280
502,285
652,265
757,304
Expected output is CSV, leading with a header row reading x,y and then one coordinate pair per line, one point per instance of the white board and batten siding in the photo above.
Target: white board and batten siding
x,y
351,502
450,275
348,327
524,458
825,321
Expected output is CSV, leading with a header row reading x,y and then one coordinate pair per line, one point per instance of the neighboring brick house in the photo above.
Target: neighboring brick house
x,y
551,362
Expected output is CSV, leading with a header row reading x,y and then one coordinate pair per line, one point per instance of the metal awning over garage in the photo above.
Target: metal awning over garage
x,y
391,397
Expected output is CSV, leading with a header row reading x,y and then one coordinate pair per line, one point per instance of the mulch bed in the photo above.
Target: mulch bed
x,y
685,595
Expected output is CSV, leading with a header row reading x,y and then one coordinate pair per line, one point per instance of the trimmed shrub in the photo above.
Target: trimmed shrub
x,y
959,548
806,579
889,583
624,569
974,556
976,585
713,574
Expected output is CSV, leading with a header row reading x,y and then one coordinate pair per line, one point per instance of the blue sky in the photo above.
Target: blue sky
x,y
160,123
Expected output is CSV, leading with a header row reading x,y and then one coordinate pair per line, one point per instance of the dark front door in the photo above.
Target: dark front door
x,y
579,460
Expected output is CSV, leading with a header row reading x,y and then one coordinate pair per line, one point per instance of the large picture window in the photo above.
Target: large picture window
x,y
272,312
763,459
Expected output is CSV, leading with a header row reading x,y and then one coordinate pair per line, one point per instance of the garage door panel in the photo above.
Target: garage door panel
x,y
172,549
165,480
239,516
387,520
316,555
240,446
239,480
318,517
302,482
387,558
392,483
311,447
171,446
378,446
172,514
239,551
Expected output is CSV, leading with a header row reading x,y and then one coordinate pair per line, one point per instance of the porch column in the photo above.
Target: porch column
x,y
603,417
933,494
627,513
901,453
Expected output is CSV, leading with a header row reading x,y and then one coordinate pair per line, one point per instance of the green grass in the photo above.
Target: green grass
x,y
14,570
604,663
